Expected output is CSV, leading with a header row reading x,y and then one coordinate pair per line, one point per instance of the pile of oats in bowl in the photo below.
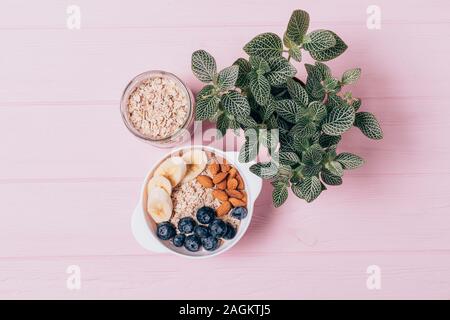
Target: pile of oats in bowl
x,y
188,198
156,106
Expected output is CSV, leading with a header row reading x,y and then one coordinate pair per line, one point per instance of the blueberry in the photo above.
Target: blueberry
x,y
205,215
239,213
218,228
231,232
210,243
178,240
186,225
192,243
201,231
165,230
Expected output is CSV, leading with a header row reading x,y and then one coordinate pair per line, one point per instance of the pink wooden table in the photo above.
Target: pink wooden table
x,y
70,172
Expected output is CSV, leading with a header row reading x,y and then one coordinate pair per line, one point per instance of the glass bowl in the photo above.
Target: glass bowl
x,y
181,134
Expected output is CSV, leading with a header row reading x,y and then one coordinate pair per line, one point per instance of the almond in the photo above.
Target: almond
x,y
241,185
232,184
225,167
205,181
235,194
214,168
237,203
232,173
220,194
222,185
223,209
219,177
244,198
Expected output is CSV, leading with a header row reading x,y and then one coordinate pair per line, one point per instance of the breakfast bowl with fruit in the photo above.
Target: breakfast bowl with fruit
x,y
195,202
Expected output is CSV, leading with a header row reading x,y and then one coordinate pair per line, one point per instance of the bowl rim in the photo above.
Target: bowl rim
x,y
250,201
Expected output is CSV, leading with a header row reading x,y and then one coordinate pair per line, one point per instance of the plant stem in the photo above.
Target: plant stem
x,y
325,99
281,93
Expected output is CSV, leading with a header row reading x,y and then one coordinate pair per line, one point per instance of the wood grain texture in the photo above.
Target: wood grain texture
x,y
70,172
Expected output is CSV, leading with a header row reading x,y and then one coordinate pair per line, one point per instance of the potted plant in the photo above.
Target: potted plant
x,y
299,122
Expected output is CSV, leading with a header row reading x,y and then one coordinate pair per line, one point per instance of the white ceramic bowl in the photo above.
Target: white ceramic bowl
x,y
144,228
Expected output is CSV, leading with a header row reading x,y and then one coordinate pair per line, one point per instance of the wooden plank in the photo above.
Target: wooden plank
x,y
366,214
243,276
51,14
96,65
90,141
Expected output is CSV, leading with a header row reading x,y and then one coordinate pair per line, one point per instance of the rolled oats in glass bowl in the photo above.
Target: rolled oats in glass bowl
x,y
158,108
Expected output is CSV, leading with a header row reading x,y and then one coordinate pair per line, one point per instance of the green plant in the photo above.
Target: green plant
x,y
300,123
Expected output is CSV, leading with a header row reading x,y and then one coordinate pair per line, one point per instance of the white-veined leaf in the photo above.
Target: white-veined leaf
x,y
267,110
368,125
250,148
310,187
331,53
280,71
266,45
287,109
356,104
227,77
297,26
320,40
279,194
204,66
236,104
297,190
304,128
351,76
244,68
259,65
293,48
335,168
264,170
324,70
330,179
288,158
317,111
222,125
260,88
349,160
313,155
206,108
327,141
297,92
339,120
247,122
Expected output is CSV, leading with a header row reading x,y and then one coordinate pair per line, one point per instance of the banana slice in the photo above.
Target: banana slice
x,y
159,205
173,168
159,181
196,161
